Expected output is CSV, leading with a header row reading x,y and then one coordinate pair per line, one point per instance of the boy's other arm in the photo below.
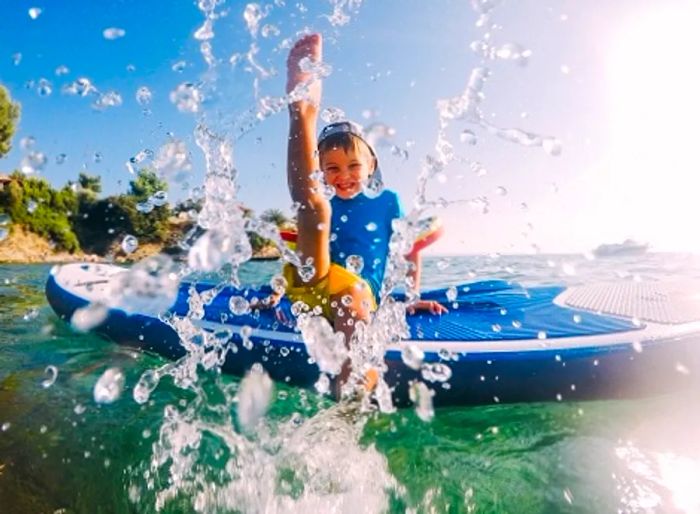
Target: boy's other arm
x,y
414,275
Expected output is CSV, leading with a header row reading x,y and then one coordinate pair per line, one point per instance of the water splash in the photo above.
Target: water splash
x,y
109,386
52,375
113,33
129,244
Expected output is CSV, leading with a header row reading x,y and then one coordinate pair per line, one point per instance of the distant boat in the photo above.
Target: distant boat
x,y
627,247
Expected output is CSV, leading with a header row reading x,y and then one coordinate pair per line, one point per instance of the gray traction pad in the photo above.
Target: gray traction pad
x,y
656,302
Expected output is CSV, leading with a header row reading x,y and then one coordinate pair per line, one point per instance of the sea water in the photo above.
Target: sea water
x,y
62,450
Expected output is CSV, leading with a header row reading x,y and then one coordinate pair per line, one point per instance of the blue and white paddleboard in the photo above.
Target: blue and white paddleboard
x,y
502,342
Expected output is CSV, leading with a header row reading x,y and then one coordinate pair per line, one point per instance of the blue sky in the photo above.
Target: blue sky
x,y
625,171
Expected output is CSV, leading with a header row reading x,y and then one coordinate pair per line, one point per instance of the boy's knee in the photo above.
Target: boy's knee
x,y
355,302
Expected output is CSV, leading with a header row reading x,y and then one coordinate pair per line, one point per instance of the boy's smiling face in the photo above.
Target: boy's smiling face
x,y
347,170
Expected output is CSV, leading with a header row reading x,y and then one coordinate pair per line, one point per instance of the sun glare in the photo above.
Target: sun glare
x,y
654,79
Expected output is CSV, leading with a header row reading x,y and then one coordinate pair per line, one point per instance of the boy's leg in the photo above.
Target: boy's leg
x,y
344,319
314,214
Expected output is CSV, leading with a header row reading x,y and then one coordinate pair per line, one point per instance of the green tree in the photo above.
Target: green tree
x,y
146,184
34,204
275,216
92,183
9,115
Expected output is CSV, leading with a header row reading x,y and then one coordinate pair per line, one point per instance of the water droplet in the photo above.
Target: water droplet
x,y
443,264
278,284
451,294
306,272
109,386
577,318
62,70
568,496
159,198
112,33
145,207
129,243
33,162
513,52
269,31
186,97
172,161
31,206
51,373
412,356
35,12
238,305
552,146
252,16
541,334
61,158
143,95
107,100
30,314
44,87
496,327
80,87
682,369
468,137
27,143
516,324
254,397
332,115
478,168
148,287
354,264
79,409
16,58
436,372
422,397
501,191
318,69
323,384
325,346
145,386
88,317
5,426
179,66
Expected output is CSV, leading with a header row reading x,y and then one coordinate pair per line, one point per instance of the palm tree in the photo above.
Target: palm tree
x,y
275,216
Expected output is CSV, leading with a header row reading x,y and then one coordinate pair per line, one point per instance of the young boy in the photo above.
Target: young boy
x,y
351,224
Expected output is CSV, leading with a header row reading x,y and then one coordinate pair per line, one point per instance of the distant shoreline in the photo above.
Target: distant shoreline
x,y
24,247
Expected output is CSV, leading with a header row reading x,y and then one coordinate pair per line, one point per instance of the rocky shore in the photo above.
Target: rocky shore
x,y
24,247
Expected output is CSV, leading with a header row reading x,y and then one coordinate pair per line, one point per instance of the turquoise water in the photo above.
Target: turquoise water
x,y
62,452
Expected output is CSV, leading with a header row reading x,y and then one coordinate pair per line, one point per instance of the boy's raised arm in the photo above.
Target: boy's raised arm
x,y
302,158
305,187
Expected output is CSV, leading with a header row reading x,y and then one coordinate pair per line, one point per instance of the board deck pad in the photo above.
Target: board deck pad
x,y
658,302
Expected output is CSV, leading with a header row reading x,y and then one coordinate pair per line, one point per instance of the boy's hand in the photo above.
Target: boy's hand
x,y
309,47
430,306
269,302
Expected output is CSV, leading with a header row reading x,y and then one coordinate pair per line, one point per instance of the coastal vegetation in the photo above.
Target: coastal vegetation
x,y
76,220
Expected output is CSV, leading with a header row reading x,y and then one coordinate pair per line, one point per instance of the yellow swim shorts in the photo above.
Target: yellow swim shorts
x,y
336,281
